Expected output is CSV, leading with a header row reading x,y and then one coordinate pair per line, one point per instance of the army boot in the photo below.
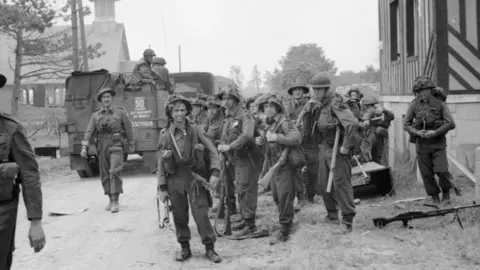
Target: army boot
x,y
446,197
115,206
211,255
109,206
344,229
282,236
436,199
311,199
238,225
249,228
184,254
300,202
331,218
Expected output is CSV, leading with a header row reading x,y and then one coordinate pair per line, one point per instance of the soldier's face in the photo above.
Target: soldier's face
x,y
298,93
319,93
270,110
196,110
212,110
107,99
179,112
229,102
354,95
148,59
253,107
425,93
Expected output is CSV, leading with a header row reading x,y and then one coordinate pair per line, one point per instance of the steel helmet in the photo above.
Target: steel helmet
x,y
320,80
198,102
231,90
214,102
271,98
103,91
422,82
158,60
369,100
202,97
173,100
355,90
3,80
298,85
148,52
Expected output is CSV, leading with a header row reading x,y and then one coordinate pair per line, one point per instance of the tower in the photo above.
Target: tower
x,y
104,10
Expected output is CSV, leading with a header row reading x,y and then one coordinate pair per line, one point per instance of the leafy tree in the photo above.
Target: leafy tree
x,y
40,51
371,74
256,79
347,73
237,75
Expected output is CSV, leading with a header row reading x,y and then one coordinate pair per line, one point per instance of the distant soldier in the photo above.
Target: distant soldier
x,y
111,127
354,98
199,113
143,69
162,78
237,142
326,113
179,169
18,167
428,120
293,109
282,133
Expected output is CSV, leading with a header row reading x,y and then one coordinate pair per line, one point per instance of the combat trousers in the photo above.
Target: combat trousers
x,y
311,179
283,191
110,159
431,161
8,224
230,184
378,149
342,191
183,196
246,176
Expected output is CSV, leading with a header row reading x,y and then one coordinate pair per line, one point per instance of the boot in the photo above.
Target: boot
x,y
211,255
311,199
237,226
436,199
300,202
184,254
446,197
344,229
115,206
109,206
283,235
331,220
249,228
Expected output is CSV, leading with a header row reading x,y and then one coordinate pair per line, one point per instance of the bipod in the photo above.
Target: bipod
x,y
456,216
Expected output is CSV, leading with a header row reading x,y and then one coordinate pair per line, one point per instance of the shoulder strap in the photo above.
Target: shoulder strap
x,y
8,142
279,124
175,143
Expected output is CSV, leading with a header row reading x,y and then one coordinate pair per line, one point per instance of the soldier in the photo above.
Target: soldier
x,y
18,166
199,114
143,69
326,113
162,77
282,133
111,127
428,120
181,147
237,143
354,97
294,108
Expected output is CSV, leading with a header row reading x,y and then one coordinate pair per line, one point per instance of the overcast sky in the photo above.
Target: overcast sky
x,y
215,34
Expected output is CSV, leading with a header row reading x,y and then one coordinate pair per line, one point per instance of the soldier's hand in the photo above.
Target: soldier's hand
x,y
421,133
259,140
429,134
199,146
83,153
271,137
379,110
163,196
213,182
343,150
223,148
36,236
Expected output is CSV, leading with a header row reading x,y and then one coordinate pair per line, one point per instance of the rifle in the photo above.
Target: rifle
x,y
224,202
168,209
407,216
265,180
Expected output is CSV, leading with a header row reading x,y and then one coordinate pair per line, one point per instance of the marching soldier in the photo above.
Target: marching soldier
x,y
354,97
111,127
428,120
282,133
237,143
181,147
326,113
143,69
18,167
199,113
294,108
162,77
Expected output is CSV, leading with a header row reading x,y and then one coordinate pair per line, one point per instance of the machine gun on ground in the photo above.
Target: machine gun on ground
x,y
407,216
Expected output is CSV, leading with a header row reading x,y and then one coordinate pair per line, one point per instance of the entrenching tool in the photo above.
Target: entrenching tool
x,y
365,175
334,160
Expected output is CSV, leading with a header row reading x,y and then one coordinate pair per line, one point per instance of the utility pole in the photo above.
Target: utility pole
x,y
179,58
74,36
83,38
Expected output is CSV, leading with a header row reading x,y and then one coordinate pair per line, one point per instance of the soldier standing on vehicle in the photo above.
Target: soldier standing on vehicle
x,y
162,78
282,133
294,108
327,113
237,143
111,126
143,69
18,166
428,120
181,147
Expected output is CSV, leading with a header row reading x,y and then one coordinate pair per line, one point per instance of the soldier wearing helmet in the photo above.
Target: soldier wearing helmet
x,y
238,144
428,120
162,78
354,101
112,127
143,69
199,113
181,145
281,134
327,113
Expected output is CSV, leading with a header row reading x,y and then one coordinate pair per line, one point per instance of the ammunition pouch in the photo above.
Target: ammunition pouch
x,y
168,161
199,156
8,174
296,158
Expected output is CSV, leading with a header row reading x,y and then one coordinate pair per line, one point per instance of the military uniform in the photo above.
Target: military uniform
x,y
430,114
181,164
15,150
162,75
201,119
143,69
111,126
332,113
238,133
283,183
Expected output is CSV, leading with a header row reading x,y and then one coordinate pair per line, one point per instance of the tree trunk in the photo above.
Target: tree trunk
x,y
17,72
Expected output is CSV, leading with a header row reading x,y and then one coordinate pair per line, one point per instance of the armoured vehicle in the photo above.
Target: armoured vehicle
x,y
144,104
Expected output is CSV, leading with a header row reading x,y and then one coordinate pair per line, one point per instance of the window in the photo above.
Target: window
x,y
394,31
410,27
23,97
30,96
58,97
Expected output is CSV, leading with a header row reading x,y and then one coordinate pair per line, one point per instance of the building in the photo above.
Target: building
x,y
441,39
104,30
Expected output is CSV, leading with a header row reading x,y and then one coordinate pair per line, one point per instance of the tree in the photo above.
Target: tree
x,y
347,73
256,79
273,80
237,75
39,53
371,74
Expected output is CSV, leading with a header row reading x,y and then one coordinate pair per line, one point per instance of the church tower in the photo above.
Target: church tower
x,y
104,10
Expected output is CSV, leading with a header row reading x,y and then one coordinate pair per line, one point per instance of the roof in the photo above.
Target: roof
x,y
110,34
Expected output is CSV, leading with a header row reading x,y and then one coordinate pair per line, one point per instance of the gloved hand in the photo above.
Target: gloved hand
x,y
163,196
83,153
213,182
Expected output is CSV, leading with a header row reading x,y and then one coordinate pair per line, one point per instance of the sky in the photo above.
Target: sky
x,y
216,34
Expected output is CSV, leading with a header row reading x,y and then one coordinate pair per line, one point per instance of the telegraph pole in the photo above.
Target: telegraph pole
x,y
74,36
83,38
179,58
